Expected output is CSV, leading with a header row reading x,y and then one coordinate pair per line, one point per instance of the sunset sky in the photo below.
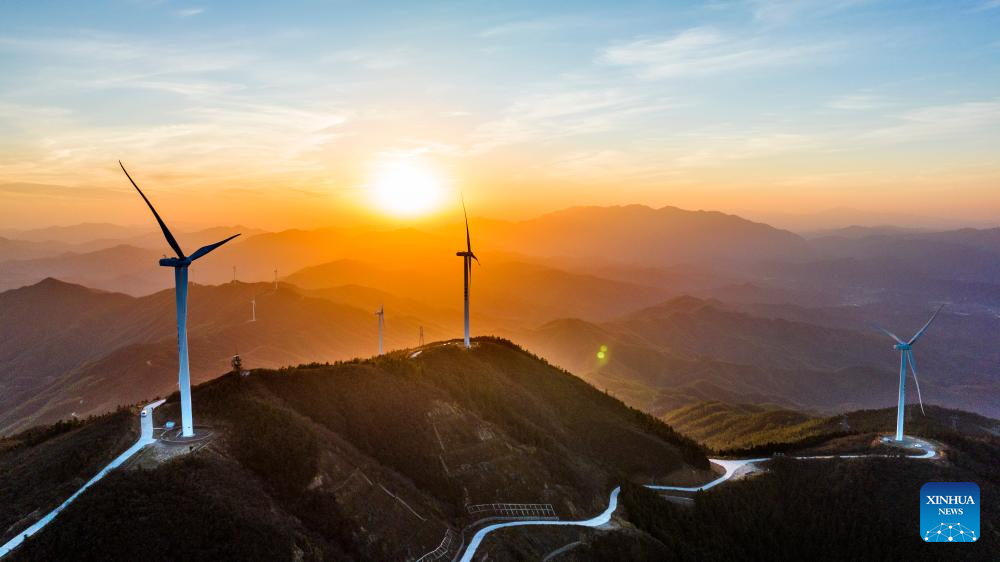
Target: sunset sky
x,y
289,116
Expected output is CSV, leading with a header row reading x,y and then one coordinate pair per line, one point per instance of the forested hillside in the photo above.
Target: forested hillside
x,y
370,460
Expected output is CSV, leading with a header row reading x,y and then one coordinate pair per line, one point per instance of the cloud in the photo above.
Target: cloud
x,y
858,102
539,118
780,12
534,26
120,52
703,51
987,5
617,165
228,139
940,122
52,191
370,59
189,12
714,148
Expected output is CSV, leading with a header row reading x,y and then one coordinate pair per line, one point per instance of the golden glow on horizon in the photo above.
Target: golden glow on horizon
x,y
406,187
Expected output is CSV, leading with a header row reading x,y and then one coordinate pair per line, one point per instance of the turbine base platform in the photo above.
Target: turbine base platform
x,y
173,436
908,442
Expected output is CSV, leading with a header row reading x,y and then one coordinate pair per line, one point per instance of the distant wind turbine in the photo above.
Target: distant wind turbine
x,y
253,309
467,257
381,322
905,350
180,265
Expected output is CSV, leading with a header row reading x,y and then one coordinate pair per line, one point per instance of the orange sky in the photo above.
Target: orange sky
x,y
286,118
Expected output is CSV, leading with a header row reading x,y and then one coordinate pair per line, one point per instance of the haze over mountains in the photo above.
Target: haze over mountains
x,y
691,305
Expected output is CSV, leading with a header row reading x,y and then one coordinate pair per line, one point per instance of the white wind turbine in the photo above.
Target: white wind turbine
x,y
467,257
180,265
381,322
905,350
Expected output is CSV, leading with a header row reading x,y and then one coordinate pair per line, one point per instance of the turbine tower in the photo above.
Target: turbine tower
x,y
180,265
381,322
905,350
253,309
467,257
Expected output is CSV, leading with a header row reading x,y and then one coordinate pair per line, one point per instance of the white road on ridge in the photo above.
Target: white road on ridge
x,y
145,438
731,466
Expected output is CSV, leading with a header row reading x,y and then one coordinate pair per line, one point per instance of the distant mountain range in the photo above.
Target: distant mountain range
x,y
641,236
769,317
68,350
689,350
633,235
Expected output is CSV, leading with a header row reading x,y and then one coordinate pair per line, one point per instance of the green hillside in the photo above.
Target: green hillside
x,y
370,460
41,467
740,429
720,425
834,509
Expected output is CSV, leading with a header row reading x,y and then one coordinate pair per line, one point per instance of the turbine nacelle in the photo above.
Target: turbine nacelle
x,y
902,347
175,262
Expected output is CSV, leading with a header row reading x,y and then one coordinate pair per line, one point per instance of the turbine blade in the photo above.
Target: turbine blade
x,y
166,231
887,332
475,258
206,249
468,239
913,369
918,335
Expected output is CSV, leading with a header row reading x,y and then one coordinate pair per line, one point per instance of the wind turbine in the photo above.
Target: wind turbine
x,y
467,257
253,309
381,322
180,265
905,350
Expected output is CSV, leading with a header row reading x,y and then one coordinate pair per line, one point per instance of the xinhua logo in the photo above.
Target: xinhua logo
x,y
949,512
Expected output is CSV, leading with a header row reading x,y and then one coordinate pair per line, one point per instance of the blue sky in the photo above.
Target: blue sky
x,y
526,106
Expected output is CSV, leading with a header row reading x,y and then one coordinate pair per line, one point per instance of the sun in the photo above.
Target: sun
x,y
406,188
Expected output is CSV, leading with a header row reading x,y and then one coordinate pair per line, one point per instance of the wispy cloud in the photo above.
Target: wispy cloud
x,y
535,26
267,140
632,165
940,122
987,5
125,50
780,12
189,12
713,148
704,51
546,116
371,59
858,102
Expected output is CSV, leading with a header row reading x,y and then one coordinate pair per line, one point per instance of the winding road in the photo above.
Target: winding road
x,y
731,466
145,438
